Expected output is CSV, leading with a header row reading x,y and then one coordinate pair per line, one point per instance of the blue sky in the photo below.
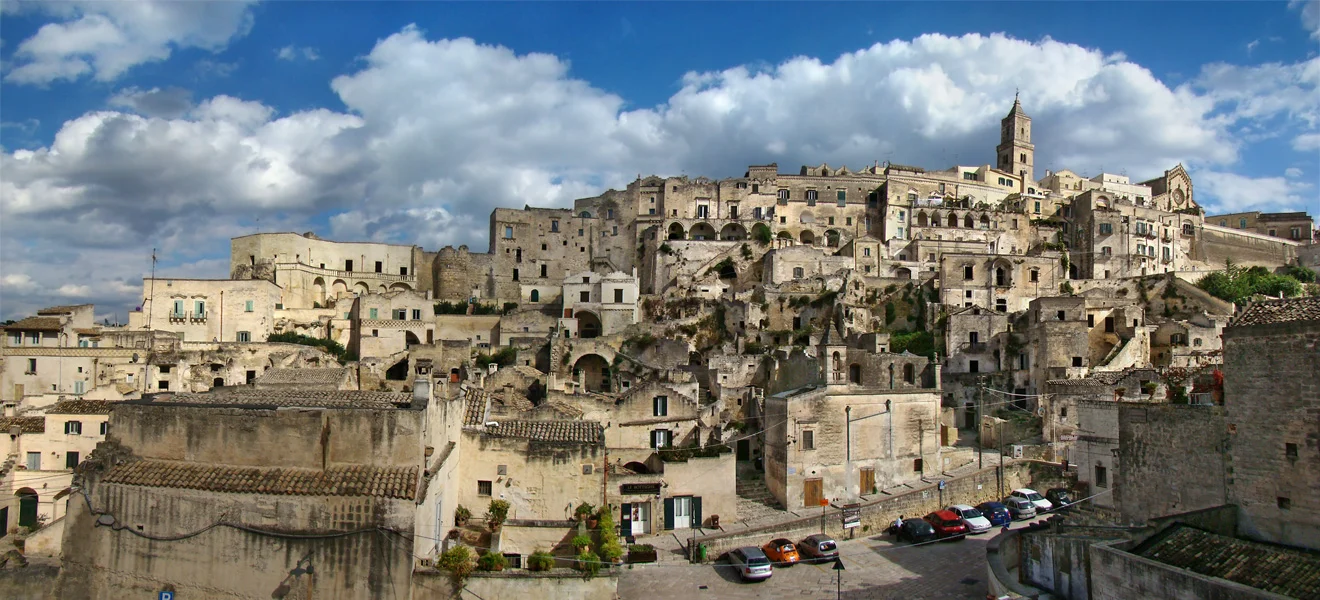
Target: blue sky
x,y
178,126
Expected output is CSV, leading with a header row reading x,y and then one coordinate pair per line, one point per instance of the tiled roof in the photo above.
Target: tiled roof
x,y
25,424
289,398
36,324
1104,378
579,432
475,413
308,376
359,480
1279,311
82,407
1286,571
61,310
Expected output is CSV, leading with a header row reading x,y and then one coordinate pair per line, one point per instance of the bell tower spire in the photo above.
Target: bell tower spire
x,y
1015,153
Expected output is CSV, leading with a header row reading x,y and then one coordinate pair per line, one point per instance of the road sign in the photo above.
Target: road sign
x,y
852,516
838,564
941,484
824,502
166,596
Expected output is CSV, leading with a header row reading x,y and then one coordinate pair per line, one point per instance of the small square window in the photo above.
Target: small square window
x,y
1285,503
502,470
808,439
1077,361
1290,450
483,488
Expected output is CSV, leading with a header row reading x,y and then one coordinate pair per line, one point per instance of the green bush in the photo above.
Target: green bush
x,y
456,560
581,541
497,512
1300,273
491,562
462,513
330,346
588,563
665,249
921,343
1238,285
761,234
540,561
505,357
746,252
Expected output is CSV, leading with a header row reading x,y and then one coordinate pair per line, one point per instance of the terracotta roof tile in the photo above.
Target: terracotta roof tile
x,y
1290,572
475,413
580,432
61,310
1279,311
289,398
36,324
82,407
308,376
25,424
358,480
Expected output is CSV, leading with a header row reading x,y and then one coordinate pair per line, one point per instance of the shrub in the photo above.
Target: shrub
x,y
491,562
665,249
746,252
456,560
497,512
581,541
505,357
462,513
583,511
588,563
540,561
761,234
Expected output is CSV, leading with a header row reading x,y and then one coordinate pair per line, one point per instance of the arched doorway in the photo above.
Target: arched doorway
x,y
968,222
921,219
935,220
339,288
702,231
733,232
807,237
27,507
218,382
361,289
761,232
855,373
588,324
410,339
592,371
318,291
676,232
784,235
638,468
399,287
903,273
536,295
985,222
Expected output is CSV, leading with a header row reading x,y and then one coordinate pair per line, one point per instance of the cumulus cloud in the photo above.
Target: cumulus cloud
x,y
295,53
106,39
1292,172
1310,13
437,133
1306,142
1230,192
168,103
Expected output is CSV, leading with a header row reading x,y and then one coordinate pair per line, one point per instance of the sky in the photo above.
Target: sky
x,y
175,126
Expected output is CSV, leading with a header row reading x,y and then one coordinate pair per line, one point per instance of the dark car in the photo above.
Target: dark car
x,y
947,525
916,531
996,512
818,548
1060,497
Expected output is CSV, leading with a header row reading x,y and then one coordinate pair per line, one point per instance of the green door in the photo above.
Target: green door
x,y
27,508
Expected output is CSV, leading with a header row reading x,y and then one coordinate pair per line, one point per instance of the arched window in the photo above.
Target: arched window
x,y
838,361
536,295
968,222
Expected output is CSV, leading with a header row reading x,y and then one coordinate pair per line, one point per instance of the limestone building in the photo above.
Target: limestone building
x,y
209,310
313,272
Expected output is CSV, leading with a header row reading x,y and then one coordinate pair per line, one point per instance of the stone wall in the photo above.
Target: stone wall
x,y
559,583
33,582
1272,395
1118,575
1057,562
1170,459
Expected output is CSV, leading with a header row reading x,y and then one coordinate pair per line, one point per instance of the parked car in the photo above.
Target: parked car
x,y
1042,505
972,518
752,563
996,512
1020,508
947,525
916,531
781,552
818,548
1060,497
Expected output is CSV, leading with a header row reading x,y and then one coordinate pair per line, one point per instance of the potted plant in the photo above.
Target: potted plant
x,y
457,561
612,551
491,561
586,513
581,542
461,515
540,561
588,563
497,513
641,553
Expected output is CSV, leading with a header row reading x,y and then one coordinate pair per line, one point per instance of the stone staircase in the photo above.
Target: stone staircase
x,y
755,502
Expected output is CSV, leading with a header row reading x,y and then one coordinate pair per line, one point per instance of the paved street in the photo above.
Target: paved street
x,y
875,568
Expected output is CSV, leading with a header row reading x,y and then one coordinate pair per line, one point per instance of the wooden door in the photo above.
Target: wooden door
x,y
811,492
868,480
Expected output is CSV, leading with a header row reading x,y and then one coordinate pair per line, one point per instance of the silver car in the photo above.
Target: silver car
x,y
1020,508
752,563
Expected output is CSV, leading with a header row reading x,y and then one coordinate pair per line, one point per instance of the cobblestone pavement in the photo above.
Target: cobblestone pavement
x,y
875,567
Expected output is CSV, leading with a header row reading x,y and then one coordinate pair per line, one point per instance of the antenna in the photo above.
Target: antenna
x,y
153,288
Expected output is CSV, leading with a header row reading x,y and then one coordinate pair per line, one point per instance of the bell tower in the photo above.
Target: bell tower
x,y
1016,154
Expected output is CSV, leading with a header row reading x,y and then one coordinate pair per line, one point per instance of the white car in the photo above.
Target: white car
x,y
1030,495
972,518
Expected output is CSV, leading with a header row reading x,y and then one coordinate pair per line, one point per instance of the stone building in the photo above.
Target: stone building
x,y
1004,282
37,349
312,271
385,324
42,448
1270,393
598,305
1295,226
209,310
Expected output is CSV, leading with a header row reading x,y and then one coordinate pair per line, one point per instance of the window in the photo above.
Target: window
x,y
247,306
1077,361
798,273
733,214
1001,305
808,439
380,267
1187,229
660,406
902,217
105,427
843,197
1022,157
201,308
847,221
580,232
400,314
584,296
1109,324
348,265
515,274
783,194
34,461
969,176
483,488
1296,233
372,312
554,223
1106,228
756,188
35,338
661,438
1035,275
973,366
968,272
618,296
811,197
1062,315
403,271
244,336
1106,251
70,460
163,384
508,232
1101,476
1285,503
32,366
416,314
900,232
1223,223
536,296
866,251
1090,320
1290,450
703,212
73,427
1037,207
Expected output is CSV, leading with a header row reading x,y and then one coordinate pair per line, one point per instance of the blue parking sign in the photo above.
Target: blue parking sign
x,y
166,596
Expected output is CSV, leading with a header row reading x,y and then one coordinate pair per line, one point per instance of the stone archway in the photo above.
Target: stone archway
x,y
592,371
318,290
733,232
676,232
702,231
588,324
807,237
339,288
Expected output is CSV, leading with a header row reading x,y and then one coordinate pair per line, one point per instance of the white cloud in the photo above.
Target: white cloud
x,y
1306,142
1236,193
1292,172
438,133
1310,15
106,39
295,53
169,103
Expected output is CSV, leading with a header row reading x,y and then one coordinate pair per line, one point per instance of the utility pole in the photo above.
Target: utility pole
x,y
980,400
1000,427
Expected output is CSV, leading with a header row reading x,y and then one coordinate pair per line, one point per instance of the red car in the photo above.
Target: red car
x,y
947,525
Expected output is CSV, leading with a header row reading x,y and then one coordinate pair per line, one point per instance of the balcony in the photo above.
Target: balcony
x,y
178,317
972,347
198,317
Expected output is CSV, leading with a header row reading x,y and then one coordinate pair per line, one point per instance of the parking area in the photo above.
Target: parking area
x,y
875,567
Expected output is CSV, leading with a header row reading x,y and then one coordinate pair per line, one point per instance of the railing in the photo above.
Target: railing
x,y
346,274
197,316
972,347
